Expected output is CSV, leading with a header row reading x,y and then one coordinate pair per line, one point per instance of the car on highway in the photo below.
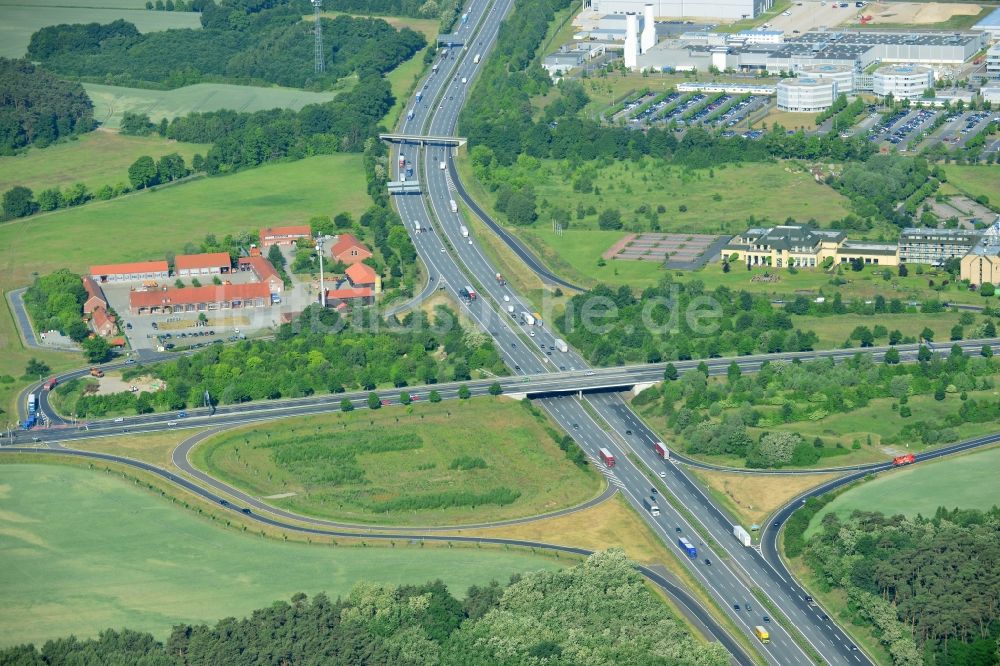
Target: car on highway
x,y
736,606
653,490
663,475
245,510
708,562
677,529
589,373
131,361
748,609
120,419
767,618
181,414
386,403
223,502
824,616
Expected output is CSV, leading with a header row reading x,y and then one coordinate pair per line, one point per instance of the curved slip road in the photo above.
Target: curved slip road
x,y
181,458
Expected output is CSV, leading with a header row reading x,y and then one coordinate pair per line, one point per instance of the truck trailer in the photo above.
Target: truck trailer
x,y
475,60
609,460
742,535
420,95
409,114
762,634
402,161
454,206
651,506
416,226
51,384
661,450
465,231
527,318
500,280
908,459
471,292
561,345
688,548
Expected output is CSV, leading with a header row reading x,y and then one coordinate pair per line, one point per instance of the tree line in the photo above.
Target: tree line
x,y
321,351
38,108
238,43
553,617
929,585
718,417
655,326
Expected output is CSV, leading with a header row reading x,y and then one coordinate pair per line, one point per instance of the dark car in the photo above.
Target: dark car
x,y
736,606
223,502
824,616
708,561
652,490
628,432
245,510
767,618
678,530
748,608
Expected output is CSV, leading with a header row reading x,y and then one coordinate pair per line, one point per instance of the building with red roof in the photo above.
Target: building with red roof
x,y
103,322
349,250
264,271
133,272
284,235
200,299
95,295
208,263
362,275
337,297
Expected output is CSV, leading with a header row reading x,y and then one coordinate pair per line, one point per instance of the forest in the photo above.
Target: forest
x,y
558,617
320,352
929,586
240,42
718,417
657,327
38,108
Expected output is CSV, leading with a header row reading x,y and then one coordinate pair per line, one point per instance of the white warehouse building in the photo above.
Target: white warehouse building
x,y
902,81
806,95
842,74
728,9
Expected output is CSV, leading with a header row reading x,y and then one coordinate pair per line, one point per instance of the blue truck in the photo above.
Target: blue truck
x,y
32,419
688,548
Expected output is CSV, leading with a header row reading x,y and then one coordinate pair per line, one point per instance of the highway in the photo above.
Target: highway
x,y
454,258
731,572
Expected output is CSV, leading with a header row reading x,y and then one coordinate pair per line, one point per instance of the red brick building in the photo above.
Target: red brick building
x,y
200,299
349,250
95,296
209,263
284,235
264,271
138,271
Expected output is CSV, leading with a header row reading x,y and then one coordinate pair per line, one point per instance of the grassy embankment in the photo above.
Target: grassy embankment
x,y
138,561
95,159
161,220
432,464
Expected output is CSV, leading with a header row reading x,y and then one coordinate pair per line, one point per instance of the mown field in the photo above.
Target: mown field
x,y
20,19
110,102
95,159
84,550
432,464
966,482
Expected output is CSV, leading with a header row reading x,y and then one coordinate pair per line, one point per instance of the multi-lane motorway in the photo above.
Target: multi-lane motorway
x,y
731,573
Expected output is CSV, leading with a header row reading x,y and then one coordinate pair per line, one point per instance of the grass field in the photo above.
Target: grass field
x,y
976,180
511,445
110,102
967,482
95,159
753,497
18,20
834,330
788,120
84,550
715,201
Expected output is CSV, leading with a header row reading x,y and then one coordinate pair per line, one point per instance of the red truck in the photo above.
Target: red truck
x,y
661,450
608,459
899,461
51,384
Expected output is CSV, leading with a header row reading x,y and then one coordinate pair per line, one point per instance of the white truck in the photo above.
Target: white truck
x,y
454,206
742,536
416,226
561,345
510,310
443,166
528,318
464,80
465,231
475,60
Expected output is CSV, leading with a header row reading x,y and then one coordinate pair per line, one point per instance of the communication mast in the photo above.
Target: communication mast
x,y
319,62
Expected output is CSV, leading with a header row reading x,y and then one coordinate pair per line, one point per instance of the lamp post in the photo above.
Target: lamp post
x,y
322,287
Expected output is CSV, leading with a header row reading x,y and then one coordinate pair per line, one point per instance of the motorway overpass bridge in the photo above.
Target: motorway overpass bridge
x,y
423,139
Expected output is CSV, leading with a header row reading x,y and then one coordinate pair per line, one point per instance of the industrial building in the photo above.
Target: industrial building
x,y
723,9
853,51
139,271
211,263
284,235
935,246
993,61
800,247
200,299
902,81
806,94
843,75
982,263
990,25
